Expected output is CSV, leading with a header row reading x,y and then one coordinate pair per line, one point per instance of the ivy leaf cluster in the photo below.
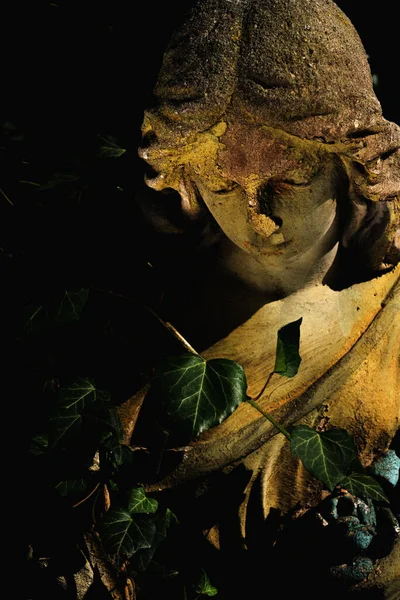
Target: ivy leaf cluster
x,y
135,526
197,394
330,457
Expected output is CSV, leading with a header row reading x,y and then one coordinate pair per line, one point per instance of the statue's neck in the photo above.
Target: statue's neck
x,y
237,285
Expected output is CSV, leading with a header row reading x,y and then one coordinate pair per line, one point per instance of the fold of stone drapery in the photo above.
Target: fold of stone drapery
x,y
335,325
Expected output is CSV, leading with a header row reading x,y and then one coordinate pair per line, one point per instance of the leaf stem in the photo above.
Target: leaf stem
x,y
29,182
165,324
268,417
6,197
264,387
176,333
87,497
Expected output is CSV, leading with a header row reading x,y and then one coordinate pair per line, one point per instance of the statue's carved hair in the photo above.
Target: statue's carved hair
x,y
372,229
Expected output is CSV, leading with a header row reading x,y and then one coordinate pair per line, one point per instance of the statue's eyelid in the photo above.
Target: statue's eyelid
x,y
226,190
298,184
303,183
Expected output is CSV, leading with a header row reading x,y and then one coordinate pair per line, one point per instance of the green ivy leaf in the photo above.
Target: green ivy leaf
x,y
143,558
64,425
71,486
140,503
156,569
35,318
123,455
74,400
110,148
81,393
288,359
59,179
365,486
125,531
124,534
204,585
199,394
42,316
10,130
112,485
71,305
39,444
325,455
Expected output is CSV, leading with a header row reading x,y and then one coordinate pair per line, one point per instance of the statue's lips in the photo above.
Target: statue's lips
x,y
275,245
277,240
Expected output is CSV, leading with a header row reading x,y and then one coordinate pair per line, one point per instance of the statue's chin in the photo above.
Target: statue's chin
x,y
276,274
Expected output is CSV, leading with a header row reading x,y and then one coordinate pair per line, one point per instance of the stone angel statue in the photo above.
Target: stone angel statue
x,y
267,145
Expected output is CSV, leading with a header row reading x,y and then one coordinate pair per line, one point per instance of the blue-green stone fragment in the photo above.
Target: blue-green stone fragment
x,y
355,572
362,538
387,466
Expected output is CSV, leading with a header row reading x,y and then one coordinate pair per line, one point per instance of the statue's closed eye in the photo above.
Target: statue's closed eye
x,y
298,184
148,139
226,190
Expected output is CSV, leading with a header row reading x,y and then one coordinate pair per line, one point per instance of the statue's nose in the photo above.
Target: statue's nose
x,y
261,223
261,214
265,202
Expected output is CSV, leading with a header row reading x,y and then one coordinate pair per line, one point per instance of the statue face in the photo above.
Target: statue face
x,y
276,208
273,196
289,222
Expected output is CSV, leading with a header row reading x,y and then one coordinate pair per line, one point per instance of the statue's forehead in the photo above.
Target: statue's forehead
x,y
264,152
